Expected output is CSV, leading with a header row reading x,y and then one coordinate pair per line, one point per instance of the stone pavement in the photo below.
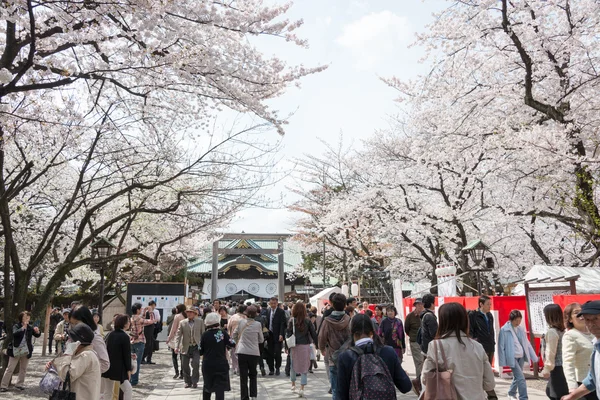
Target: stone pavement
x,y
157,383
277,388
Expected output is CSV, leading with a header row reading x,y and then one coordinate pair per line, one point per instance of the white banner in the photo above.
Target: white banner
x,y
398,298
446,275
256,287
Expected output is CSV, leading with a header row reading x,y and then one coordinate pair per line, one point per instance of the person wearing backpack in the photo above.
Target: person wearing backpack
x,y
429,323
452,350
369,370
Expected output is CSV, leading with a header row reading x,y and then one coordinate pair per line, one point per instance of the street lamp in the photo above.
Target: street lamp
x,y
158,274
100,251
476,250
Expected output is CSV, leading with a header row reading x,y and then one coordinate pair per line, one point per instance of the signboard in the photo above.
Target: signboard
x,y
166,296
537,301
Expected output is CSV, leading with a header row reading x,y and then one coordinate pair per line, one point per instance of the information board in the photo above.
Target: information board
x,y
537,301
166,296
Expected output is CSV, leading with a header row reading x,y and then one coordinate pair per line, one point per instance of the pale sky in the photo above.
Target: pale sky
x,y
360,40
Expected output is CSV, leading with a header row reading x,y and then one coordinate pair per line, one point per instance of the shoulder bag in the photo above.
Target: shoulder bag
x,y
291,341
22,350
242,331
438,382
50,381
64,393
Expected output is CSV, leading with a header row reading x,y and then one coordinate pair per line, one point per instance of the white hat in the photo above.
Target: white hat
x,y
212,319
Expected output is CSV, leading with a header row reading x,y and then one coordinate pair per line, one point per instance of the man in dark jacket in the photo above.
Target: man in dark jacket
x,y
429,323
277,323
481,323
412,323
55,318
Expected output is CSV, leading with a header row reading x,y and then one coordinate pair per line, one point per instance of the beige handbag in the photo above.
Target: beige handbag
x,y
438,381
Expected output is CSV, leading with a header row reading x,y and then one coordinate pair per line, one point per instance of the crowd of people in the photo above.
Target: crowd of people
x,y
362,348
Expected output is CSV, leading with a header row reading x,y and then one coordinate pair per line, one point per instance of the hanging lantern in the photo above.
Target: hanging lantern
x,y
345,290
354,290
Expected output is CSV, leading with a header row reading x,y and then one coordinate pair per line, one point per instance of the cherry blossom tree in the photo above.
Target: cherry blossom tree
x,y
524,74
108,128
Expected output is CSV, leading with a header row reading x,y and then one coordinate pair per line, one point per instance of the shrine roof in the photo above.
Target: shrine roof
x,y
292,256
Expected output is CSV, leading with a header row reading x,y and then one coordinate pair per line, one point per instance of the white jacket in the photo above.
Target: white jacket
x,y
472,373
577,348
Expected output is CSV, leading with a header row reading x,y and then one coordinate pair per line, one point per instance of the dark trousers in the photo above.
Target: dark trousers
x,y
175,358
50,338
274,353
557,386
261,361
491,394
149,348
218,395
247,365
192,355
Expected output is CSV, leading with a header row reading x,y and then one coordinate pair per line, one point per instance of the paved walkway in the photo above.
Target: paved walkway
x,y
156,383
277,388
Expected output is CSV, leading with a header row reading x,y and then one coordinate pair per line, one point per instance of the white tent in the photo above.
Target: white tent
x,y
319,299
588,282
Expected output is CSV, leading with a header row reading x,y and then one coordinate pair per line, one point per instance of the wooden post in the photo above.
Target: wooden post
x,y
46,328
530,328
214,285
573,285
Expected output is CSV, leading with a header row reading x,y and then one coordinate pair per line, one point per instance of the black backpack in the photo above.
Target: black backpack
x,y
420,332
371,379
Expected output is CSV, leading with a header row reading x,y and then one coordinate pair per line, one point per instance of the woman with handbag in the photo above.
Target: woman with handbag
x,y
20,352
300,332
119,351
450,370
248,337
391,331
215,367
79,368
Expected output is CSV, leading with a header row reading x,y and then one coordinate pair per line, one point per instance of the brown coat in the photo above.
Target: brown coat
x,y
333,333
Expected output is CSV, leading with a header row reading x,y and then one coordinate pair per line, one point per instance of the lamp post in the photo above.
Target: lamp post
x,y
100,251
476,250
158,274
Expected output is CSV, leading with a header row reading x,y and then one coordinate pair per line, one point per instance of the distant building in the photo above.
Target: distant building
x,y
253,276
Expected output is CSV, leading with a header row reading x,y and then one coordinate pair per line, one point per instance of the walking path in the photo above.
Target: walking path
x,y
157,383
278,387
